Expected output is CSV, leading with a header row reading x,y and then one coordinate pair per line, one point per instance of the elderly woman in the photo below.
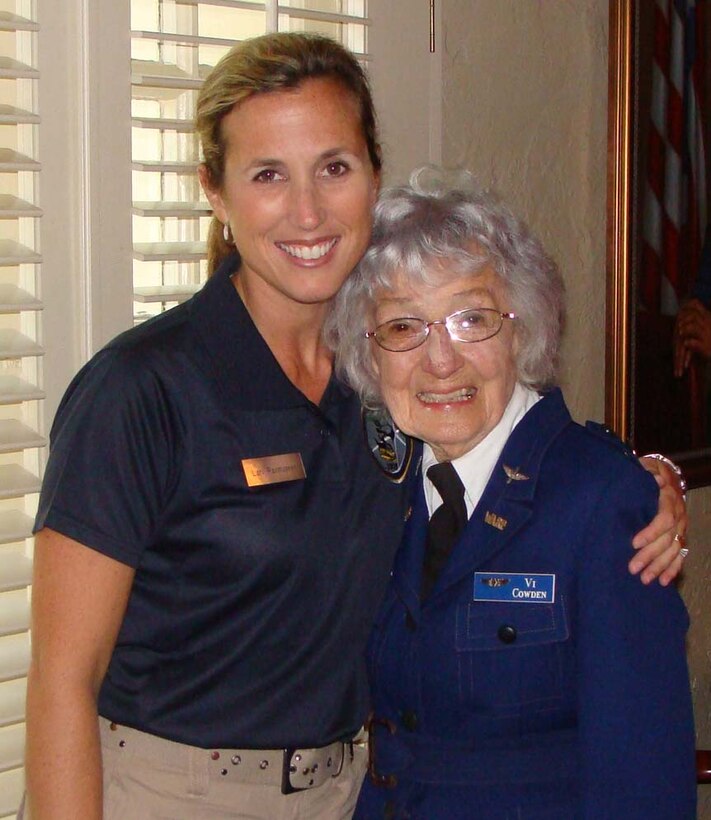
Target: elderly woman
x,y
518,670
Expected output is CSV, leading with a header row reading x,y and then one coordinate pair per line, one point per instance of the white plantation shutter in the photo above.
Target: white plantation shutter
x,y
20,375
174,43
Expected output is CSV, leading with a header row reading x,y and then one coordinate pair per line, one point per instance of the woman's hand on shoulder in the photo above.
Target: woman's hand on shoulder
x,y
658,548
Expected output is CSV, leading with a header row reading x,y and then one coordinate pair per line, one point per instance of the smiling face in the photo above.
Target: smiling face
x,y
298,191
447,393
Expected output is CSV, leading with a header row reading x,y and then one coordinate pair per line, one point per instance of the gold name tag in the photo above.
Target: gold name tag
x,y
273,469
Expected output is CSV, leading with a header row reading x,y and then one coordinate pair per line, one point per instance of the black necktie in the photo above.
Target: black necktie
x,y
447,521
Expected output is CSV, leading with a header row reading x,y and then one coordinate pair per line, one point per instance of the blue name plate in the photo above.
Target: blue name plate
x,y
519,587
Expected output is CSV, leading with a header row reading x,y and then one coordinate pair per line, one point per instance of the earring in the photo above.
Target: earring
x,y
227,234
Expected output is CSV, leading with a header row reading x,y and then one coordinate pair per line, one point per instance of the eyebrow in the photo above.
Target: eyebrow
x,y
259,162
334,152
409,300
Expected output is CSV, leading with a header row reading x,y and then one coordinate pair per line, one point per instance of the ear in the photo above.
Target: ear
x,y
213,194
373,350
374,360
376,188
515,345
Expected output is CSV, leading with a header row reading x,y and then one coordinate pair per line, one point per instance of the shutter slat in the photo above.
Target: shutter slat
x,y
13,22
164,167
12,702
11,69
232,4
14,526
183,39
14,612
14,299
169,251
12,784
12,747
12,207
323,16
12,161
14,389
183,125
14,657
16,481
12,115
156,94
14,345
16,436
15,573
304,14
165,293
13,253
164,75
178,209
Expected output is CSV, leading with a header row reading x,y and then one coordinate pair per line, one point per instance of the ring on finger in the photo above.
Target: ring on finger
x,y
681,540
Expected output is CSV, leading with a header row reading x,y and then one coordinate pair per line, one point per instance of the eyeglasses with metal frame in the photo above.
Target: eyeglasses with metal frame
x,y
468,325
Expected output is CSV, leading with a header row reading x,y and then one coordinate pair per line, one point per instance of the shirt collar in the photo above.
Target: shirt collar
x,y
476,466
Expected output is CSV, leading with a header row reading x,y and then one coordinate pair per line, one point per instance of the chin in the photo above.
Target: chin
x,y
456,444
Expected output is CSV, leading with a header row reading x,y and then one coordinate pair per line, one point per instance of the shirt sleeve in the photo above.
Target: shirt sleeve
x,y
113,450
636,723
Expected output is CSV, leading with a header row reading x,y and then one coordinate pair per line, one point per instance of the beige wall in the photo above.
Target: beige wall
x,y
525,107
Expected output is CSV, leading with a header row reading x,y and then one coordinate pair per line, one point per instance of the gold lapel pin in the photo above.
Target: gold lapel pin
x,y
494,520
495,583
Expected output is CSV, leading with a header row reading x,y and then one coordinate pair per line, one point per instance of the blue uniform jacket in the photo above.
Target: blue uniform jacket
x,y
577,706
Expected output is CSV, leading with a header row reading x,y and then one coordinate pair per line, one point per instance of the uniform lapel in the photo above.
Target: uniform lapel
x,y
507,502
407,570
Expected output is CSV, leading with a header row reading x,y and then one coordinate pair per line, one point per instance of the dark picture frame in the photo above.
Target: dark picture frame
x,y
644,403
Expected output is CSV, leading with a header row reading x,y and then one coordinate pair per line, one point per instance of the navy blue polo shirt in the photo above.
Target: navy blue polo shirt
x,y
251,606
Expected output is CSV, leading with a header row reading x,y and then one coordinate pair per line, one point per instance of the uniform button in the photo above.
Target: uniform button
x,y
507,634
409,720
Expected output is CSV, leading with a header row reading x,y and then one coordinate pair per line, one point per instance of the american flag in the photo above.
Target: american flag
x,y
674,199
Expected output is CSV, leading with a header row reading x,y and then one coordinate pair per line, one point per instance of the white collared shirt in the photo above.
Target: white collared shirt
x,y
476,466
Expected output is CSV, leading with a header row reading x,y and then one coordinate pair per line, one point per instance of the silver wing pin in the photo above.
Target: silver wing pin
x,y
513,474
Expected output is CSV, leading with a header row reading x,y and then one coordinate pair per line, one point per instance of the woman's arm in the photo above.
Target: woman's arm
x,y
634,703
79,597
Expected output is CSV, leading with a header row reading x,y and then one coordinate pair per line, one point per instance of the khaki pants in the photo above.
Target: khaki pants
x,y
185,784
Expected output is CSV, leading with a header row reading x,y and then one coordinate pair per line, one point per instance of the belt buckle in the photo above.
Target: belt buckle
x,y
287,768
386,781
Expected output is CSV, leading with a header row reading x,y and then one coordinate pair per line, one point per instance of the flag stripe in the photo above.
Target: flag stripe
x,y
675,196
